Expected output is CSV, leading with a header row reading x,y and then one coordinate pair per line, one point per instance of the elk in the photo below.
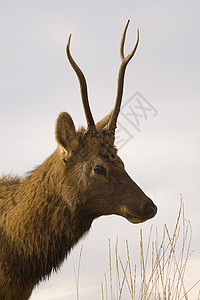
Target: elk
x,y
45,213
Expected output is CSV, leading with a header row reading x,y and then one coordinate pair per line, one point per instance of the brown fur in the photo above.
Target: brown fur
x,y
43,215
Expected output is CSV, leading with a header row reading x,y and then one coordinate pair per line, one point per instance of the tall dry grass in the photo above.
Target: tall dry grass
x,y
161,268
77,274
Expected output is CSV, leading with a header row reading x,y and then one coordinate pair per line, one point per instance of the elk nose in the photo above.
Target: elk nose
x,y
151,210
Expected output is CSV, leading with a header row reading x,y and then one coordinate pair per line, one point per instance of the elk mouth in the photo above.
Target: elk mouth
x,y
132,218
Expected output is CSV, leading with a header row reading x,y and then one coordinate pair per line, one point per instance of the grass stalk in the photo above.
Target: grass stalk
x,y
162,277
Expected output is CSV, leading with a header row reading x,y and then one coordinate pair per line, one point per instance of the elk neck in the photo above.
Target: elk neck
x,y
42,226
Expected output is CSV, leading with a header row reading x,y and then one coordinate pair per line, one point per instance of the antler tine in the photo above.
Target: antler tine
x,y
123,40
83,87
121,74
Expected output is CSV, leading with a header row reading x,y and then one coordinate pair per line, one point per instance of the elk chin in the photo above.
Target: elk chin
x,y
132,218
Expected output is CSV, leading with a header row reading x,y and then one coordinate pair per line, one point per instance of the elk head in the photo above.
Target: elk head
x,y
94,172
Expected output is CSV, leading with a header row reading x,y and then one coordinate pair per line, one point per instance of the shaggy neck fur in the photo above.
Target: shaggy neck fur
x,y
40,228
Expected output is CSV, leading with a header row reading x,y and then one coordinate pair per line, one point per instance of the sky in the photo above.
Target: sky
x,y
159,145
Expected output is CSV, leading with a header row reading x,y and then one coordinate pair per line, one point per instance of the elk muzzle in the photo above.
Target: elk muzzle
x,y
140,215
134,205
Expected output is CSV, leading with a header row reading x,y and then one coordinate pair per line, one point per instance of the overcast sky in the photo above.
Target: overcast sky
x,y
162,150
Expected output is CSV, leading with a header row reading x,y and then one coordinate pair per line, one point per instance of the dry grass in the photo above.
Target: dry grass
x,y
161,270
78,274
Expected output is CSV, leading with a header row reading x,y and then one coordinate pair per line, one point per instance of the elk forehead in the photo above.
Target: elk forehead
x,y
98,143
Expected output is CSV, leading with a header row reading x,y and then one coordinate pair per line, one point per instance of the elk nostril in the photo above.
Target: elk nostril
x,y
151,210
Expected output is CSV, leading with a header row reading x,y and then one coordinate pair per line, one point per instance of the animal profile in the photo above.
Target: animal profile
x,y
45,213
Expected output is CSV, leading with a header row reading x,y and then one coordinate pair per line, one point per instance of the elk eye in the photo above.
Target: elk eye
x,y
99,169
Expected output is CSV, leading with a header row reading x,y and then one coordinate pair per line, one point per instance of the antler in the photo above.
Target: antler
x,y
83,87
125,60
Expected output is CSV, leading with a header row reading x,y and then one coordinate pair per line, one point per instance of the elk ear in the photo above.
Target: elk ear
x,y
102,123
66,135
